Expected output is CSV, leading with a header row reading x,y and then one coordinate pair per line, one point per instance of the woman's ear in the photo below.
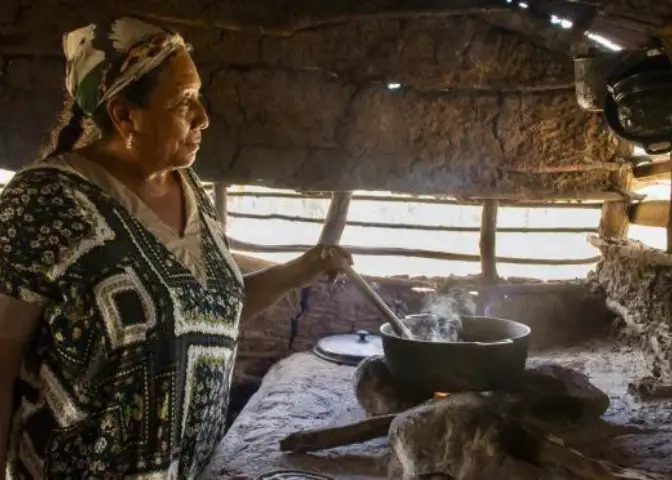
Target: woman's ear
x,y
121,116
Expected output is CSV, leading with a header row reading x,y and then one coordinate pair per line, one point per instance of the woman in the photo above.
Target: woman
x,y
119,300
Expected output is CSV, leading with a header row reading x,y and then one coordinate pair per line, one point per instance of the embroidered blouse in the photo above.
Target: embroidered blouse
x,y
128,368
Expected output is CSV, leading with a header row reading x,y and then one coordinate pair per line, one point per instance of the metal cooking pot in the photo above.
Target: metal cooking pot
x,y
638,109
491,356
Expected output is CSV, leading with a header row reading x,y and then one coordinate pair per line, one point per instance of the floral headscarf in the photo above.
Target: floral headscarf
x,y
103,59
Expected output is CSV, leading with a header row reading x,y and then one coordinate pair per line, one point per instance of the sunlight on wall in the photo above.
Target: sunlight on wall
x,y
539,245
654,237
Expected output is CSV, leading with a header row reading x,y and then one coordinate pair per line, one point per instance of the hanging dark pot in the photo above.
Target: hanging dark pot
x,y
638,104
638,108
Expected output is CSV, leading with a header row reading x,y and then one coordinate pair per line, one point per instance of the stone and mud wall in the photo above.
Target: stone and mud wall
x,y
637,282
481,110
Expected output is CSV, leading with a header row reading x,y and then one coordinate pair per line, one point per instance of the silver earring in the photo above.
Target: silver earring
x,y
129,141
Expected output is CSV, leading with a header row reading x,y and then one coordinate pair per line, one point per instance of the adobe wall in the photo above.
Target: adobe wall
x,y
637,282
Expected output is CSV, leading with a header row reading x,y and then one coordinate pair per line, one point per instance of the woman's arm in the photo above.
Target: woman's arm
x,y
264,287
10,359
18,321
267,286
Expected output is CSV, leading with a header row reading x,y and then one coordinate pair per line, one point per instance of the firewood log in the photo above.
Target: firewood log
x,y
323,438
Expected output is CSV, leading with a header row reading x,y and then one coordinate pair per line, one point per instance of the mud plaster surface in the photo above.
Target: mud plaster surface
x,y
312,111
303,392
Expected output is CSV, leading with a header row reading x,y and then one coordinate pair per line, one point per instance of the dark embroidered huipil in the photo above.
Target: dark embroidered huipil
x,y
128,374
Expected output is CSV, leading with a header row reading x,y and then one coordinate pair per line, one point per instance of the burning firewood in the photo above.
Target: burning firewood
x,y
323,438
471,435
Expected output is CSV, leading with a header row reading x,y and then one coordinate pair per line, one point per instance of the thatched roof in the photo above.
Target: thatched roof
x,y
299,95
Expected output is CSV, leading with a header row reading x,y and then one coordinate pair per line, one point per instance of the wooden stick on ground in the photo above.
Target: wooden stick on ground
x,y
650,389
322,438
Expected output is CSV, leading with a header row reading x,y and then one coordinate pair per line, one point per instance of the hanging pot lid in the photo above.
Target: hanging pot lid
x,y
349,348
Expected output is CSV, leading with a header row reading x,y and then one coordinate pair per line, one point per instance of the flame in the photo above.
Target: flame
x,y
440,395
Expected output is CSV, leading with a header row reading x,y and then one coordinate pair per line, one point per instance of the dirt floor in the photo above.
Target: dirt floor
x,y
638,433
303,392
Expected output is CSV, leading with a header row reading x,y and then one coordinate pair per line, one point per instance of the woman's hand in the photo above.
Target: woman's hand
x,y
265,287
324,259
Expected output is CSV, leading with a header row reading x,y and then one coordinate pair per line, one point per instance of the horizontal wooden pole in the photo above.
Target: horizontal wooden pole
x,y
460,8
587,167
406,252
591,202
560,203
654,213
399,280
405,226
513,289
504,287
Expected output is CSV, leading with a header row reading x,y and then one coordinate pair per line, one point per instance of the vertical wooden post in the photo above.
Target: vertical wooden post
x,y
614,219
336,218
487,244
487,241
669,218
221,201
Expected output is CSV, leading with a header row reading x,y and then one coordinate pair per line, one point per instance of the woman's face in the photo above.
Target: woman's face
x,y
168,129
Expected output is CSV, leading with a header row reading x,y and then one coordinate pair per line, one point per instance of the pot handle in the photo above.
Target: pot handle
x,y
505,341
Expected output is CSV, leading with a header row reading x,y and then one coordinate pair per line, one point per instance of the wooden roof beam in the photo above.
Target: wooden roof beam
x,y
654,213
535,26
654,169
305,23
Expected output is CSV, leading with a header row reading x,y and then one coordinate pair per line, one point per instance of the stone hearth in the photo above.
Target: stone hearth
x,y
476,436
304,392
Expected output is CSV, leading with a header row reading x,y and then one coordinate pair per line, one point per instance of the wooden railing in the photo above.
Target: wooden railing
x,y
410,226
408,252
488,230
654,213
592,205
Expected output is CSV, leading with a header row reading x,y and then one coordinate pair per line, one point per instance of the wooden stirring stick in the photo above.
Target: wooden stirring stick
x,y
366,290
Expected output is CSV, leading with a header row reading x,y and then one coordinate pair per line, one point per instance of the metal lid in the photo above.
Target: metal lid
x,y
349,348
292,475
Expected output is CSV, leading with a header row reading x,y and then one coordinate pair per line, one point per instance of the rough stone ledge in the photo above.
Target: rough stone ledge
x,y
631,249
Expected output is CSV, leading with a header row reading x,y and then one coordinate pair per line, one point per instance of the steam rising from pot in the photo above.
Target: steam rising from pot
x,y
442,322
